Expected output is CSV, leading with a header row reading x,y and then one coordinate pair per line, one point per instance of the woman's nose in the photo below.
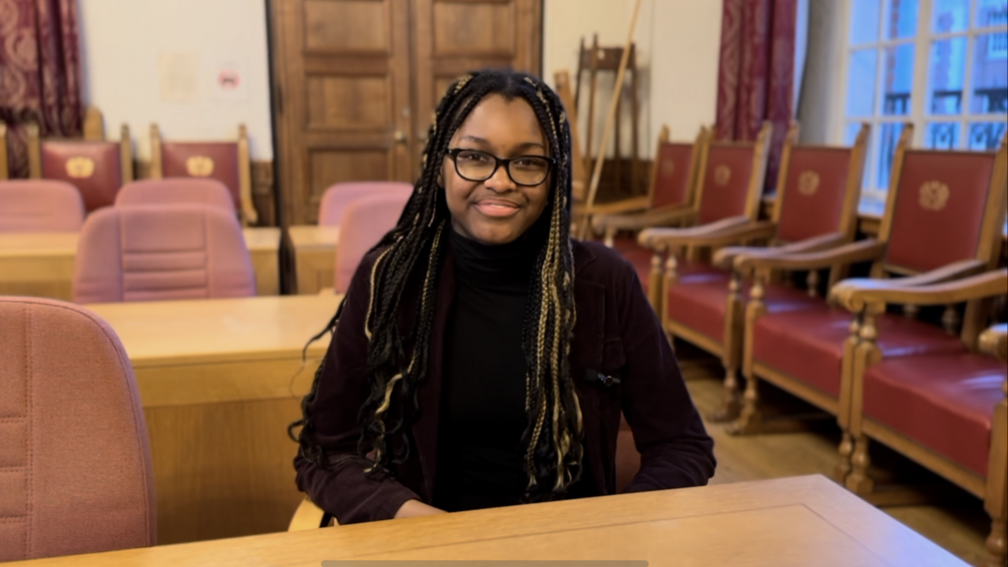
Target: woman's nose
x,y
500,181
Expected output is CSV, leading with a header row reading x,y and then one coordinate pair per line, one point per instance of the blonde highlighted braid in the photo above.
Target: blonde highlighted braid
x,y
398,352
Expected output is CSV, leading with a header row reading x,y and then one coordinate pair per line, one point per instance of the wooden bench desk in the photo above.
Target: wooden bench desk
x,y
220,380
42,264
314,256
790,522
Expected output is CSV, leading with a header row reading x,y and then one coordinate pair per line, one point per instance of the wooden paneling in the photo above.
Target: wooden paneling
x,y
330,166
349,102
335,26
474,28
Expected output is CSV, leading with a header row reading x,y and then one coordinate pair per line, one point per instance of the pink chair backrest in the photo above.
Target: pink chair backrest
x,y
337,197
365,222
158,252
40,205
75,465
176,190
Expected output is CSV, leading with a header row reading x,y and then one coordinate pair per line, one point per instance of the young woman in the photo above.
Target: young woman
x,y
481,357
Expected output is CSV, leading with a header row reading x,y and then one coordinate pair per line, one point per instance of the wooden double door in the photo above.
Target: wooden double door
x,y
357,81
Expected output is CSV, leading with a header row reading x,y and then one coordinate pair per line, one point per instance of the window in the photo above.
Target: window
x,y
941,65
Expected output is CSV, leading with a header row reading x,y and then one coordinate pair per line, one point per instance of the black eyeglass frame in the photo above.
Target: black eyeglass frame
x,y
454,152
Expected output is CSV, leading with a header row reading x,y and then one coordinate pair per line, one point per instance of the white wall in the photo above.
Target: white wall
x,y
157,61
677,48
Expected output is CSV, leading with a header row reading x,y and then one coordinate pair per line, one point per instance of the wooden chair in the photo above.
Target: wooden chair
x,y
942,222
946,411
227,162
815,209
4,166
308,516
674,174
98,168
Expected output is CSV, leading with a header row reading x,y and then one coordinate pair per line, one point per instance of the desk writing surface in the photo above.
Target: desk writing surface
x,y
790,522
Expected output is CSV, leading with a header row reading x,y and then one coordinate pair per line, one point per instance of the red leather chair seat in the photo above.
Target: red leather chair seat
x,y
807,344
640,257
699,302
944,402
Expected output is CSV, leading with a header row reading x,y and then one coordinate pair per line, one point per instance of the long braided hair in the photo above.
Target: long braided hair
x,y
397,356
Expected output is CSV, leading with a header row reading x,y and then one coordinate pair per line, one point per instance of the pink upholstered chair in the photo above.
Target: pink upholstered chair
x,y
149,253
364,222
40,206
337,197
176,190
76,463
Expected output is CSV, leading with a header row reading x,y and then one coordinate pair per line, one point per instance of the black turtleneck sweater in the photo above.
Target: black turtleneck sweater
x,y
482,416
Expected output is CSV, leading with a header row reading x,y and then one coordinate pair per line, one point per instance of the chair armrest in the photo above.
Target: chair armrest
x,y
616,207
653,237
855,294
642,219
726,256
730,234
308,516
994,341
861,251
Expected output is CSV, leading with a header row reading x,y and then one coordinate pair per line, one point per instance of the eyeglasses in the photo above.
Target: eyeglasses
x,y
474,165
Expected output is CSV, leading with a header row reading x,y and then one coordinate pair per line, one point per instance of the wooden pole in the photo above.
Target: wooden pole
x,y
610,119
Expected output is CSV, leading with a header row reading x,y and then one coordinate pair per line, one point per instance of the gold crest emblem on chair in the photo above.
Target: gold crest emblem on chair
x,y
722,175
934,195
199,166
80,167
808,183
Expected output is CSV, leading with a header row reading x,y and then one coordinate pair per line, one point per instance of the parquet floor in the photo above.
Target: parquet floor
x,y
958,523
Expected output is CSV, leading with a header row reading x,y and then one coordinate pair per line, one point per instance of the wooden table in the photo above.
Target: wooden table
x,y
220,380
314,256
41,264
799,522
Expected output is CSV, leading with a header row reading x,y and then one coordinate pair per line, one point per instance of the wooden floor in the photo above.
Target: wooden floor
x,y
958,523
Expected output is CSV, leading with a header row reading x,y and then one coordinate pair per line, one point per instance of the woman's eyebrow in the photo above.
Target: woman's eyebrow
x,y
485,142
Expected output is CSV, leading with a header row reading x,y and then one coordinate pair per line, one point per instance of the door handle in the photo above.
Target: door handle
x,y
399,136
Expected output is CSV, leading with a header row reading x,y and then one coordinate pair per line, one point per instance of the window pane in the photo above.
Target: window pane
x,y
900,19
897,79
985,135
991,13
942,136
850,135
861,82
946,70
888,137
865,21
990,74
950,16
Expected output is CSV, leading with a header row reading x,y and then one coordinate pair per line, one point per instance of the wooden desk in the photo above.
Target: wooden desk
x,y
41,264
220,380
314,256
799,522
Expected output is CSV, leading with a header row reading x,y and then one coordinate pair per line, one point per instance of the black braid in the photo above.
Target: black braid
x,y
411,256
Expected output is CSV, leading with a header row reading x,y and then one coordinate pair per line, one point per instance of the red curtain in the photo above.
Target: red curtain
x,y
756,72
39,72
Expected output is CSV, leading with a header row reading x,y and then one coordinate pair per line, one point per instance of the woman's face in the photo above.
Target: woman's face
x,y
496,211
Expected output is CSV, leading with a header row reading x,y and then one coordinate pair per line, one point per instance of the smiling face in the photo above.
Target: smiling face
x,y
496,211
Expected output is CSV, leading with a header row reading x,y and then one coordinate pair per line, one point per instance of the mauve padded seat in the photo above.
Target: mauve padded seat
x,y
365,221
75,465
336,198
40,205
699,303
808,343
161,252
944,402
177,190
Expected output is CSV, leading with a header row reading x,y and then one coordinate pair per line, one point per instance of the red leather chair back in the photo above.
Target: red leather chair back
x,y
672,174
209,192
214,160
95,168
37,205
75,465
365,222
337,197
726,182
148,253
814,192
939,208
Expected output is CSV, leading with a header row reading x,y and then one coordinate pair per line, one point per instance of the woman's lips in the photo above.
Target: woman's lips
x,y
499,209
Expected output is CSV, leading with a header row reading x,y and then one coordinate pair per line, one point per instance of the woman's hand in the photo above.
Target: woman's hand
x,y
412,508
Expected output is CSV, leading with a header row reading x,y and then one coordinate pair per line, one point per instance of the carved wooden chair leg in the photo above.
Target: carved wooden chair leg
x,y
731,401
859,481
997,543
846,453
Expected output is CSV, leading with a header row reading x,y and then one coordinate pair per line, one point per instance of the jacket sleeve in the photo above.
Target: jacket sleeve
x,y
668,432
341,488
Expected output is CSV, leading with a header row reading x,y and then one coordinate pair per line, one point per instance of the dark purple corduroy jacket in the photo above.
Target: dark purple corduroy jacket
x,y
616,334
